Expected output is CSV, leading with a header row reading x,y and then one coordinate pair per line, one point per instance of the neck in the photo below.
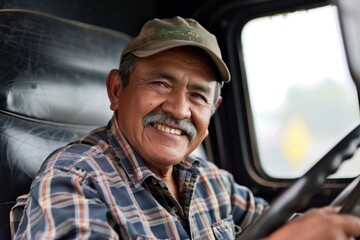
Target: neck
x,y
168,176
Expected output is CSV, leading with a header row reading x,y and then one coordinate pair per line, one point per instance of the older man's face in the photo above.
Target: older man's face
x,y
165,110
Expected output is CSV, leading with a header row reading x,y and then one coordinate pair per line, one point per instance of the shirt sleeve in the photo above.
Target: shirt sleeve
x,y
62,205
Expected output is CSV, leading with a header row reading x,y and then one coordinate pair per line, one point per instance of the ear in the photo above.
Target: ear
x,y
217,104
114,87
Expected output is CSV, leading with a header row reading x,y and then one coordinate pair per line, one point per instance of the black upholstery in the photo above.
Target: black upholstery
x,y
52,90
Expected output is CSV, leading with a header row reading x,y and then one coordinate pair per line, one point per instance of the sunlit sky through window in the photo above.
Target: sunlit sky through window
x,y
270,63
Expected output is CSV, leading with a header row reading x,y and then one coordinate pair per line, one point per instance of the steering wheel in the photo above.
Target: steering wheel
x,y
298,195
351,202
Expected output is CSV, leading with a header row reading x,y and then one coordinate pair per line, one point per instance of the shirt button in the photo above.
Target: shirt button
x,y
227,225
175,210
153,180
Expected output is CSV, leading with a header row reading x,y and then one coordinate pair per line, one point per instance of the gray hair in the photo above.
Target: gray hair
x,y
127,66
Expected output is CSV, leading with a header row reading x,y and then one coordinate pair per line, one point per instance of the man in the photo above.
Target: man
x,y
134,178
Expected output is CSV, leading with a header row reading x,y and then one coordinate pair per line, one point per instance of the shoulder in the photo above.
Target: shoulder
x,y
68,157
90,148
210,168
211,174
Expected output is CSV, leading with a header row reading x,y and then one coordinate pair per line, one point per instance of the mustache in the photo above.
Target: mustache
x,y
166,119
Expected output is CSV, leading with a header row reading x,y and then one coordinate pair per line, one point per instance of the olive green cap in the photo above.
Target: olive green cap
x,y
158,35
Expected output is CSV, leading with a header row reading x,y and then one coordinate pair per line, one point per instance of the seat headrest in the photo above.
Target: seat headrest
x,y
54,69
52,90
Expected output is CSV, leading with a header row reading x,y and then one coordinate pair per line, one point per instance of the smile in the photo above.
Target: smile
x,y
167,129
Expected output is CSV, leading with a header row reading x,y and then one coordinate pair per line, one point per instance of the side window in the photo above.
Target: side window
x,y
301,95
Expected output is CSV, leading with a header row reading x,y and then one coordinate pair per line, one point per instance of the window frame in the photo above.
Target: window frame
x,y
233,143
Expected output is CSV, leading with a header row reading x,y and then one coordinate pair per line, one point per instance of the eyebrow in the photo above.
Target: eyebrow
x,y
171,78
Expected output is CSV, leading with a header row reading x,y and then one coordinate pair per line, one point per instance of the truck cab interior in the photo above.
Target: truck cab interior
x,y
288,127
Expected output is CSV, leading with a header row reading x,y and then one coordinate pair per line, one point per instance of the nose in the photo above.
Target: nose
x,y
177,104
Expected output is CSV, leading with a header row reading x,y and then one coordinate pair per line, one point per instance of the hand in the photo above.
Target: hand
x,y
324,223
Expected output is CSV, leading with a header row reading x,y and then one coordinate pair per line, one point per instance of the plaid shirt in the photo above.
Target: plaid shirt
x,y
98,187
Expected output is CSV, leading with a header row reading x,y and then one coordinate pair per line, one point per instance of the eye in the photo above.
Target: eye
x,y
199,97
159,84
160,87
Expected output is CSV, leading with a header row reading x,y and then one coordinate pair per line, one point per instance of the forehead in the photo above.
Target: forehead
x,y
184,60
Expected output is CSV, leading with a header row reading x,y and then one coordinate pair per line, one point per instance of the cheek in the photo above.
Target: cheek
x,y
151,101
137,101
201,121
143,107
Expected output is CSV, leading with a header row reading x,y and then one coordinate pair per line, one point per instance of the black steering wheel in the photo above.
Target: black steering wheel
x,y
298,195
351,203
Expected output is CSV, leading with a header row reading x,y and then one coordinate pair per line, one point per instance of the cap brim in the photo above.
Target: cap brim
x,y
158,47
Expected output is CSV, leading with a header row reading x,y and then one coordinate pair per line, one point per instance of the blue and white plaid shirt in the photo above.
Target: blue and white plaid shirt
x,y
98,188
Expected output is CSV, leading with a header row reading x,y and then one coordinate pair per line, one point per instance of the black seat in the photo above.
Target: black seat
x,y
52,90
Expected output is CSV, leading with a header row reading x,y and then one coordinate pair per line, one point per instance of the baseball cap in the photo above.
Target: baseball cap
x,y
158,35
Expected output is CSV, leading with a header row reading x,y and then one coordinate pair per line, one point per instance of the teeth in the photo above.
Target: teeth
x,y
167,129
